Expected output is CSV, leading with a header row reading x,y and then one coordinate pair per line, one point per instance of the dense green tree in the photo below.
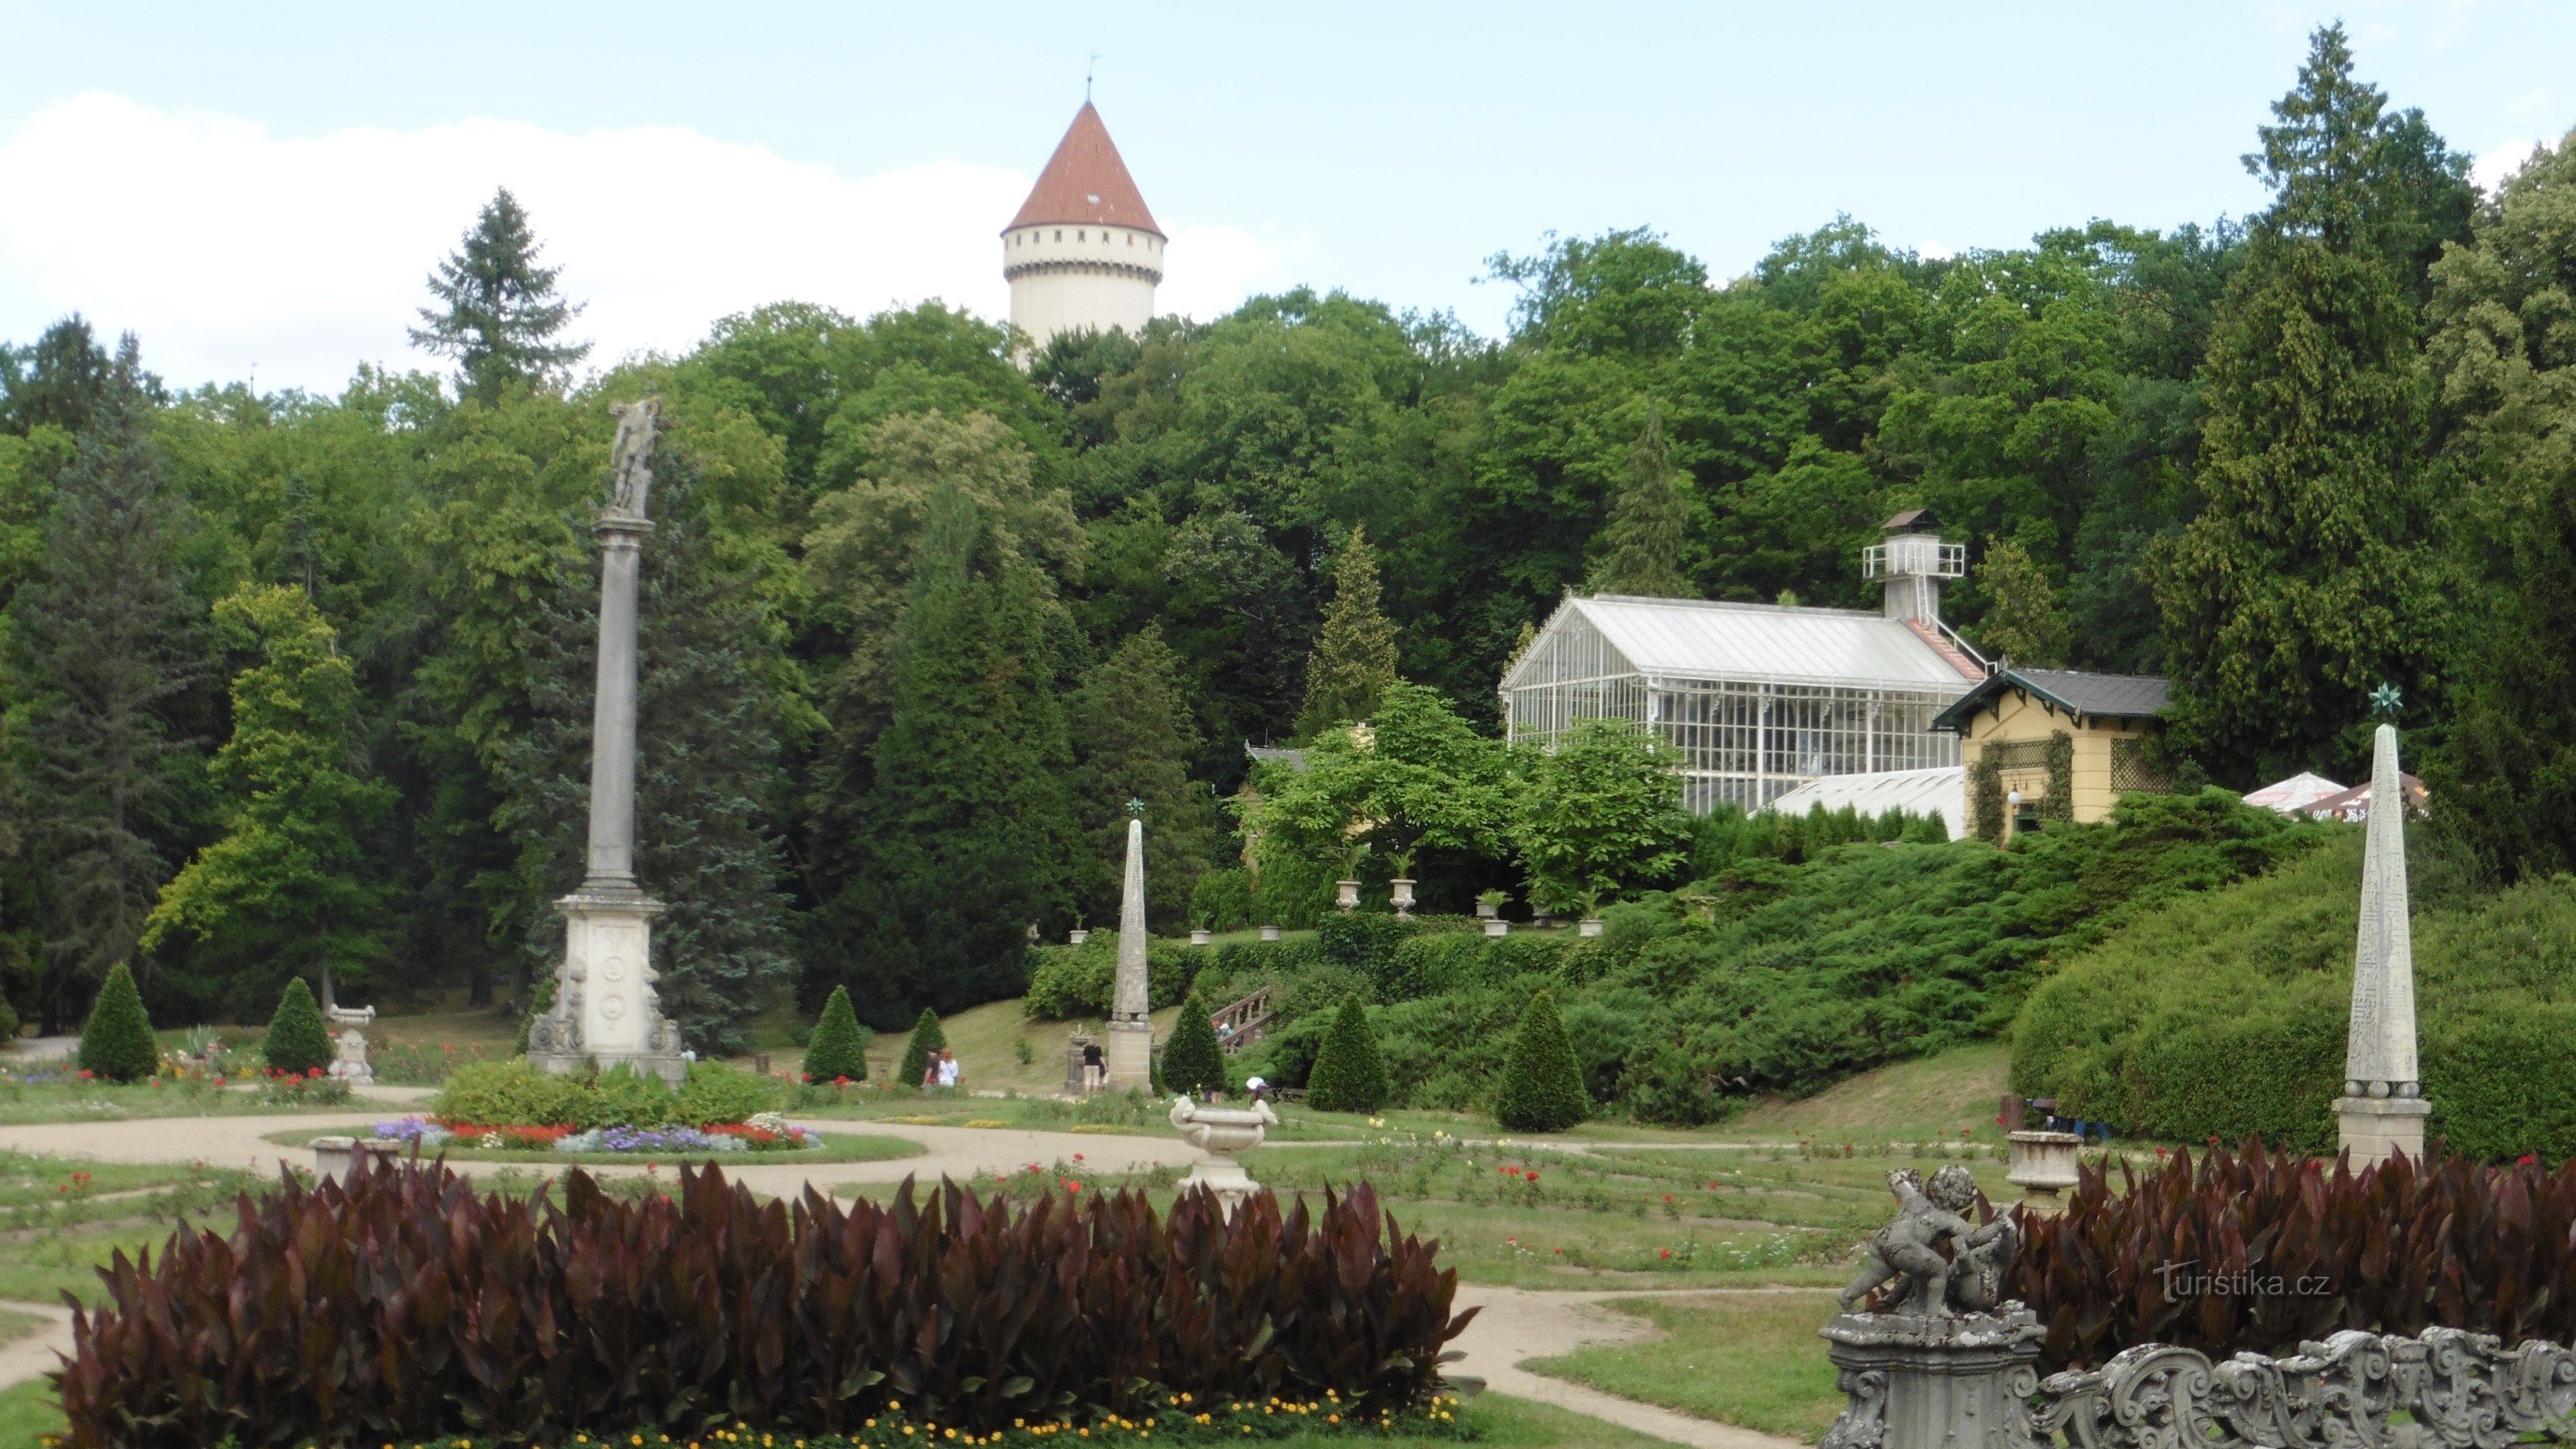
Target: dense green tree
x,y
1641,550
2304,584
1598,813
1354,658
63,380
927,1038
2023,622
116,1042
287,888
838,1048
497,312
102,653
1418,778
297,1042
1350,1074
1134,740
1542,1083
1193,1060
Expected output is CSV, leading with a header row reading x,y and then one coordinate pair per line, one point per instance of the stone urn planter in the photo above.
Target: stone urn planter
x,y
1485,910
1077,936
2043,1165
1221,1133
1270,933
1588,926
1349,894
332,1157
1497,928
1403,898
1542,918
1201,936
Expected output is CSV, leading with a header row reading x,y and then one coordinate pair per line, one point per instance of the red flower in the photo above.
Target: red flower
x,y
312,1071
1668,1252
1530,1177
2213,1139
85,1075
2526,1159
1668,1197
842,1080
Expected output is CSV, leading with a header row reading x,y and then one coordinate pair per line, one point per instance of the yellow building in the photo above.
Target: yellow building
x,y
2053,744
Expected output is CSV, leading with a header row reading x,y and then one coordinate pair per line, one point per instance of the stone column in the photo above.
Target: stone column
x,y
606,1010
1131,1027
2382,1109
1934,1381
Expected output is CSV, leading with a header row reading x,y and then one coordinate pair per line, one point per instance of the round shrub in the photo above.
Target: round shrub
x,y
926,1039
839,1046
1542,1086
297,1040
1193,1060
116,1042
1349,1074
509,1093
715,1093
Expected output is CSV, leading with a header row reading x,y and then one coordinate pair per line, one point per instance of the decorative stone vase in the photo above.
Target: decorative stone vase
x,y
1349,894
1588,926
1403,898
349,1048
1485,910
1270,933
1202,936
1076,936
1222,1132
331,1158
1935,1381
2043,1165
1540,917
1497,928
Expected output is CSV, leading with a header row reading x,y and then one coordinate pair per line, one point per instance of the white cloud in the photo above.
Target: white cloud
x,y
2490,169
227,248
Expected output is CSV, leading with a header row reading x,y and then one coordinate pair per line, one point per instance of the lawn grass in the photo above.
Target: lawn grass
x,y
1752,1359
837,1147
58,1184
1945,1095
28,1103
28,1412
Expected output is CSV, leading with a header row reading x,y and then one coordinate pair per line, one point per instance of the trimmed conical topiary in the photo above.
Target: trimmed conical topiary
x,y
838,1048
926,1038
1349,1074
1193,1061
297,1041
1542,1086
116,1042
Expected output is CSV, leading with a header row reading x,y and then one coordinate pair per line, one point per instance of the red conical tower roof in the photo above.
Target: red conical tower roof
x,y
1084,181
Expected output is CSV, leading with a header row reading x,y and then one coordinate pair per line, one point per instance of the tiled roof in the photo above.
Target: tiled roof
x,y
2099,696
1084,181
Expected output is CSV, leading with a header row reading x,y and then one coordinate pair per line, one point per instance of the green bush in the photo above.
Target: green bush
x,y
1349,1075
116,1042
926,1039
714,1092
1542,1086
1193,1060
1365,942
510,1093
1069,983
839,1046
10,1025
1222,900
297,1041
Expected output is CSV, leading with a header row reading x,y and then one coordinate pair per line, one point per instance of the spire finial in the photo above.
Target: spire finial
x,y
1087,69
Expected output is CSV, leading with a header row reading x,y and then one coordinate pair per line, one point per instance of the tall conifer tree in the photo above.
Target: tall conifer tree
x,y
1354,658
1641,549
497,313
1133,739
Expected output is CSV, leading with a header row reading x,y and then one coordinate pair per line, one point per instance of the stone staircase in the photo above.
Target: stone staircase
x,y
1248,1020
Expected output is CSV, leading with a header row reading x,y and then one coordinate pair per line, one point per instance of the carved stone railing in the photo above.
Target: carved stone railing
x,y
2461,1390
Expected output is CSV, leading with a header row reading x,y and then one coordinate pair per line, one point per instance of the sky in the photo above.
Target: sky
x,y
259,191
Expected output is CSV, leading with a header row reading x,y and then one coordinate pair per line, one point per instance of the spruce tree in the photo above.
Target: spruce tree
x,y
1133,739
102,659
297,1040
2023,622
1349,1074
1193,1060
926,1039
1642,548
972,835
1354,657
2305,583
116,1043
497,311
288,882
1542,1086
837,1049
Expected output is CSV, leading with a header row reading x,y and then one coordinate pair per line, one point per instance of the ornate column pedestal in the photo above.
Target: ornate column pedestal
x,y
1935,1381
606,1010
2374,1129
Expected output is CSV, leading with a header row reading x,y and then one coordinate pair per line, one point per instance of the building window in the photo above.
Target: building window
x,y
1077,236
1059,233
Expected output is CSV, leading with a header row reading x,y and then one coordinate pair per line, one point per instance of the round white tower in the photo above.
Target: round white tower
x,y
1084,251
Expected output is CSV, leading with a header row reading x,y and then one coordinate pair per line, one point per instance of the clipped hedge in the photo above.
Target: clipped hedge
x,y
1069,983
404,1306
2267,1250
1349,1075
838,1049
514,1093
116,1043
297,1041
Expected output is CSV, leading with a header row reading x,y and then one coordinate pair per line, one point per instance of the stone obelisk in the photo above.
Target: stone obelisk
x,y
1131,1028
2382,1109
605,1008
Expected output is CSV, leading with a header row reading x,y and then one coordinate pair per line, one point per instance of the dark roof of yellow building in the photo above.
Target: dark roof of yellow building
x,y
2079,693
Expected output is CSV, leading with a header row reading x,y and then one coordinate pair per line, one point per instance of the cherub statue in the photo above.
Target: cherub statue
x,y
1910,1248
630,458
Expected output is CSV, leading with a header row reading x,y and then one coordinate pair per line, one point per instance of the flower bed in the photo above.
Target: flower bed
x,y
766,1133
403,1306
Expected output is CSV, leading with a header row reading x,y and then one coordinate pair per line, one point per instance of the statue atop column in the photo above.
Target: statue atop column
x,y
2382,1109
1131,1027
605,1009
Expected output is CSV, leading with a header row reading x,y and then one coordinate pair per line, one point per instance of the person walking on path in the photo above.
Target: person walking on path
x,y
1095,1067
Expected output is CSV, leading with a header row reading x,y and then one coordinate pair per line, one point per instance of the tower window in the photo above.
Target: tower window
x,y
1077,236
1059,233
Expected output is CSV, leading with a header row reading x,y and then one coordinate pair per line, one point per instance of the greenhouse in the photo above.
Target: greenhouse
x,y
1759,699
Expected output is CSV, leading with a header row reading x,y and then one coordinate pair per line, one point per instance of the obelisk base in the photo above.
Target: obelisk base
x,y
2373,1129
1131,1056
606,1012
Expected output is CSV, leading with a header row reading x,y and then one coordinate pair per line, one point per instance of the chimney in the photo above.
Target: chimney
x,y
1911,563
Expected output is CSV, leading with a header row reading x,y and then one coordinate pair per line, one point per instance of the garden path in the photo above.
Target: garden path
x,y
1520,1324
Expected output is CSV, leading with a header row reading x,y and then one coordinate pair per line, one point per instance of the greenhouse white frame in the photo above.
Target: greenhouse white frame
x,y
1759,699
